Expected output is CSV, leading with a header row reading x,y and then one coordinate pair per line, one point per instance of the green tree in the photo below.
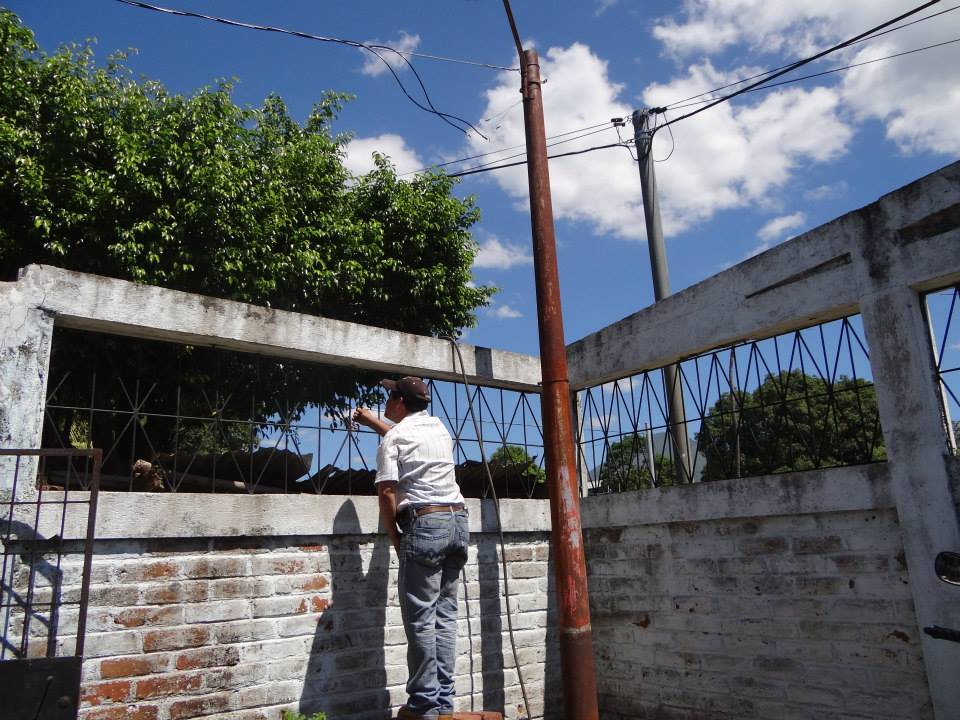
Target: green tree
x,y
104,174
625,467
515,457
793,421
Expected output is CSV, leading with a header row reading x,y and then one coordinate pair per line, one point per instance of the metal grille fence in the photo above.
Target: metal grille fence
x,y
177,418
943,315
42,601
797,401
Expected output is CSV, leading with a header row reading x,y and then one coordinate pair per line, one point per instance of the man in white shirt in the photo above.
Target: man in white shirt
x,y
418,491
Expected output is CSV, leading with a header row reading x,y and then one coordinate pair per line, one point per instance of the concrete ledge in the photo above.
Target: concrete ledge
x,y
101,304
163,515
860,487
907,238
130,516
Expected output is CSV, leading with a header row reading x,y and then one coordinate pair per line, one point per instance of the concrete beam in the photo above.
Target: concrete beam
x,y
121,516
101,304
841,489
810,279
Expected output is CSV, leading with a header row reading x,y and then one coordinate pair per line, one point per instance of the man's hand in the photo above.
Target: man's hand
x,y
367,418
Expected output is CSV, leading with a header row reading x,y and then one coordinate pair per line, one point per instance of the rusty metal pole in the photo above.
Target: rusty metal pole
x,y
576,638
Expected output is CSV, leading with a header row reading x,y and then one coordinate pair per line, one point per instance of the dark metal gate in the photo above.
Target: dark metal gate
x,y
49,504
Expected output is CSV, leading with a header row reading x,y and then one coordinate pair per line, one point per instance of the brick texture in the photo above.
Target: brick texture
x,y
774,617
242,630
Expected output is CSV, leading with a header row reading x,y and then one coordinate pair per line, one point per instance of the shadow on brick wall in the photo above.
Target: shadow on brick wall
x,y
491,623
346,674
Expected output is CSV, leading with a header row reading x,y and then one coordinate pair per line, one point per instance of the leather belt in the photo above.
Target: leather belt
x,y
425,509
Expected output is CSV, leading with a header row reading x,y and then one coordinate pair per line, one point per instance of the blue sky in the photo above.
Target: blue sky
x,y
742,177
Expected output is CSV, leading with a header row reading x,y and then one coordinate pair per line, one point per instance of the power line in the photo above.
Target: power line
x,y
626,144
521,154
372,48
501,150
677,103
761,85
800,63
833,70
308,36
474,171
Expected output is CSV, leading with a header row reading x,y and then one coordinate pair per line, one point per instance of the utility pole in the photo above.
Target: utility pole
x,y
676,414
566,536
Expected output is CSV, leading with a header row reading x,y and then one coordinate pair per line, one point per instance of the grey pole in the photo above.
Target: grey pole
x,y
677,417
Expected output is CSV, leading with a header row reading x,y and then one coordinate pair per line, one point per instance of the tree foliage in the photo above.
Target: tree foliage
x,y
525,464
108,175
103,174
626,467
793,421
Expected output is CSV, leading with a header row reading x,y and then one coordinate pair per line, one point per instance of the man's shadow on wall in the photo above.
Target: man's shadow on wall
x,y
346,673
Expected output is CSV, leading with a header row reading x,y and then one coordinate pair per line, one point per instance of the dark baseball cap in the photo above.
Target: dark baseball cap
x,y
410,388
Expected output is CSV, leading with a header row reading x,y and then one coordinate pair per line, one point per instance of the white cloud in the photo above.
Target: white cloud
x,y
776,228
740,155
915,96
374,66
752,149
498,255
602,188
504,312
359,153
822,192
603,6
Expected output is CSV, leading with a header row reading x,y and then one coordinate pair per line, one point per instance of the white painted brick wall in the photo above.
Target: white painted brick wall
x,y
804,615
243,629
779,617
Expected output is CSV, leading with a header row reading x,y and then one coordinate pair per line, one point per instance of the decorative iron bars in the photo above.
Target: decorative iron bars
x,y
43,598
943,315
176,418
797,401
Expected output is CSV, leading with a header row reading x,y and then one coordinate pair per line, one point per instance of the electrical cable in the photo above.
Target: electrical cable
x,y
629,151
443,116
773,70
489,167
494,152
673,141
800,63
833,70
475,171
410,53
510,157
372,48
676,105
496,506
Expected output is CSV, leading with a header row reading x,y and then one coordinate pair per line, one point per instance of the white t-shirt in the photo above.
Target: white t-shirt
x,y
417,454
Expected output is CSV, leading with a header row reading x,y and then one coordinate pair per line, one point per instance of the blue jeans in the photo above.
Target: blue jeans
x,y
433,550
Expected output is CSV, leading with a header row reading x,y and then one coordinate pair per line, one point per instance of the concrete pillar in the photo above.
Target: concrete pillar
x,y
583,468
26,332
909,403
